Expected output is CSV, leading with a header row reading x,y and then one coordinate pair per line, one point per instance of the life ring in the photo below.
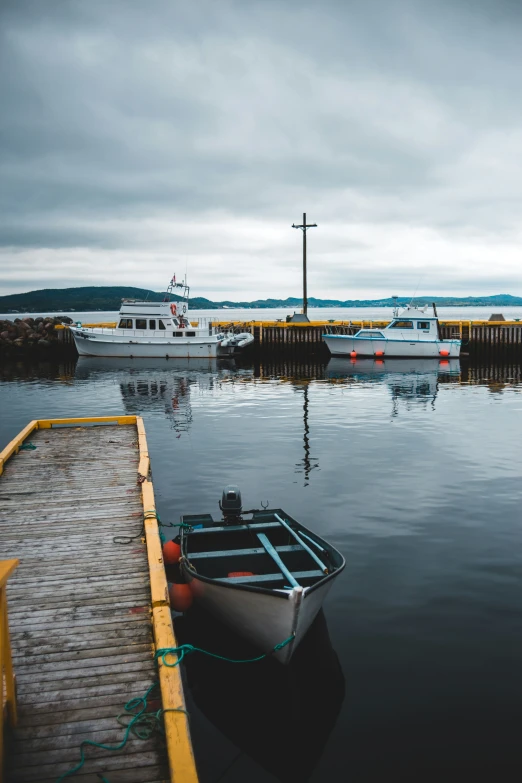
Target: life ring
x,y
173,308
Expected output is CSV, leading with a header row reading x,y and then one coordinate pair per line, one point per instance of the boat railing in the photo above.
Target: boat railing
x,y
341,329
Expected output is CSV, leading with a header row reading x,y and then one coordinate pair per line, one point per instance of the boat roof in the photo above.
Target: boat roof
x,y
416,312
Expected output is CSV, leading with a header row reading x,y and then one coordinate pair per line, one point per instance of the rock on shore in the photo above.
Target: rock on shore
x,y
26,333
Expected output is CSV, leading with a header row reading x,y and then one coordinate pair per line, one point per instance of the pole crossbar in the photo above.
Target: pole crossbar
x,y
304,228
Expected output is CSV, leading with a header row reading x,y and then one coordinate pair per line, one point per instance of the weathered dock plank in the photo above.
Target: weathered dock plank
x,y
81,606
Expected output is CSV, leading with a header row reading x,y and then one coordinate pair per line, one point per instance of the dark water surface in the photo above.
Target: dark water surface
x,y
413,470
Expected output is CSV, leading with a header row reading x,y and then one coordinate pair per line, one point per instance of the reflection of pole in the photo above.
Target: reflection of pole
x,y
304,229
306,433
308,463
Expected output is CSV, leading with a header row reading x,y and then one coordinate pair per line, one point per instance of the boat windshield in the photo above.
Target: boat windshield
x,y
370,335
401,325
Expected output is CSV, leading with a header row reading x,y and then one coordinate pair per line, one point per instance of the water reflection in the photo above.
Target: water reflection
x,y
308,462
411,382
280,716
156,383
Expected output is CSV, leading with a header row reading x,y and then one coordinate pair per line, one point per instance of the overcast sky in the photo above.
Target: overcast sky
x,y
144,138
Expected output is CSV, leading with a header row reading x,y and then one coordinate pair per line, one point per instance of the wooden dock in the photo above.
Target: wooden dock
x,y
87,605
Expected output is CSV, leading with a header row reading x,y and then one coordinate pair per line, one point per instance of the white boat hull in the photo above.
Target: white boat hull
x,y
344,344
90,343
264,619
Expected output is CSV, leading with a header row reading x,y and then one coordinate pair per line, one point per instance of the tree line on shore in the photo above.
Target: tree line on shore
x,y
108,298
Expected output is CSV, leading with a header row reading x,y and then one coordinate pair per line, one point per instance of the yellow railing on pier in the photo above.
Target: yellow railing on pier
x,y
358,322
6,662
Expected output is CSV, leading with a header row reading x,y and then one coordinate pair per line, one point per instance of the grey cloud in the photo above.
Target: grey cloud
x,y
376,117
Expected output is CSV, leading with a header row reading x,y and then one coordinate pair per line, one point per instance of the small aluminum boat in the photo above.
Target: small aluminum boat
x,y
261,572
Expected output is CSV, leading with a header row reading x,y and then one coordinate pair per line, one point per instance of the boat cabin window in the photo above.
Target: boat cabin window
x,y
177,334
125,323
161,325
401,325
141,323
423,324
190,334
152,324
371,335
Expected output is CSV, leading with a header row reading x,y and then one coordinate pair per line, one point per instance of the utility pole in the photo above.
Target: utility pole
x,y
304,228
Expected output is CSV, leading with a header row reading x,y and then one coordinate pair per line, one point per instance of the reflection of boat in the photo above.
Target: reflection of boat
x,y
266,576
413,333
280,716
409,380
114,365
151,329
343,367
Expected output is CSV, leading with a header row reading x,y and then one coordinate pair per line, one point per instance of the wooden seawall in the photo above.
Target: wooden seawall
x,y
87,605
476,336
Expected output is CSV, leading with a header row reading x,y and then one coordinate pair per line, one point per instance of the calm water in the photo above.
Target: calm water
x,y
315,314
413,470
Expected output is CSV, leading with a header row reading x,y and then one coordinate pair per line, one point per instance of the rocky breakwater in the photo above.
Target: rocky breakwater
x,y
33,334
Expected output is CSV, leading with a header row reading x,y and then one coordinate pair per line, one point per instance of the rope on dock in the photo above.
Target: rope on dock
x,y
142,725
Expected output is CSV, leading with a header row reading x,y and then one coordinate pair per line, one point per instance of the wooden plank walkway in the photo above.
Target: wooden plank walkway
x,y
79,607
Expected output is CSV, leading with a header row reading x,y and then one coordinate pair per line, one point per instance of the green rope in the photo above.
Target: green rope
x,y
28,446
143,724
135,719
185,649
153,514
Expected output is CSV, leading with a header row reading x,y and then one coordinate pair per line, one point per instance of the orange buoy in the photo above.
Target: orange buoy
x,y
232,574
353,354
171,552
379,353
180,596
444,353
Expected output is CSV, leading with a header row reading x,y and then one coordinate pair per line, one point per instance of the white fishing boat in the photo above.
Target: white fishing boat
x,y
261,572
152,330
412,334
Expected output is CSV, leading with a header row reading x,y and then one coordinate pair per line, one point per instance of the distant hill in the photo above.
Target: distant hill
x,y
106,298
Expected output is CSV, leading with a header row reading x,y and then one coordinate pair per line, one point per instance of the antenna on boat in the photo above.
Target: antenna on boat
x,y
395,305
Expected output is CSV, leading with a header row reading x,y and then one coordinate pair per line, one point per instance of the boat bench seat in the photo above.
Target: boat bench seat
x,y
243,552
227,528
260,578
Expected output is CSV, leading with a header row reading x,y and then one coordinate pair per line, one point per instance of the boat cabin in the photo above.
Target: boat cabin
x,y
413,323
156,318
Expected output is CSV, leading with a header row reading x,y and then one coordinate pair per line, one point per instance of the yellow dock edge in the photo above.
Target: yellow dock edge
x,y
179,746
358,322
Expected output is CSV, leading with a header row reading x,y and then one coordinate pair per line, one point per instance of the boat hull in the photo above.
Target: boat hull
x,y
264,618
91,344
344,345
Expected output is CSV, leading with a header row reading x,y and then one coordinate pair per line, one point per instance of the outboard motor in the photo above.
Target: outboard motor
x,y
231,505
